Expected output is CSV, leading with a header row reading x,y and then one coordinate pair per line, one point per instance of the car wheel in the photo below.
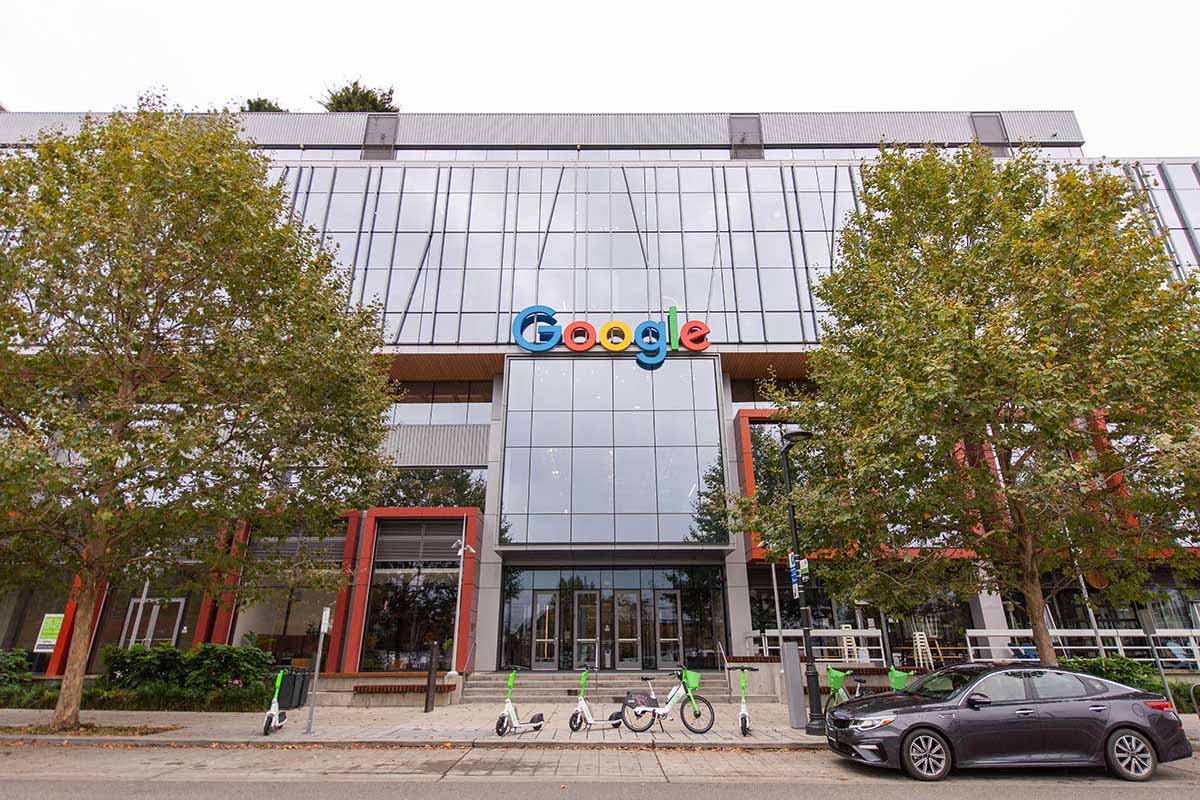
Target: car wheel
x,y
926,756
1131,756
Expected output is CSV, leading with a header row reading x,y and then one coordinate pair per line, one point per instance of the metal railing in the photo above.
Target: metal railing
x,y
860,645
1178,648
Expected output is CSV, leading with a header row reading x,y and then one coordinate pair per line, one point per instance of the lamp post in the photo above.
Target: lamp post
x,y
816,720
461,547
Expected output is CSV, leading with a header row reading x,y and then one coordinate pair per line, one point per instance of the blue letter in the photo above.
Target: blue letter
x,y
654,348
544,338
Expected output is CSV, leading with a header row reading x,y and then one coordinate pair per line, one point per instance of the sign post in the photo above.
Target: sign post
x,y
312,697
794,571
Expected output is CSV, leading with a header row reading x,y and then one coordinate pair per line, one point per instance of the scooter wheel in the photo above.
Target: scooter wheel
x,y
267,725
745,726
502,724
575,722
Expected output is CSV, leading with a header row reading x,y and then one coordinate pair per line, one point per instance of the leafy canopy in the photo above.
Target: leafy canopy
x,y
356,97
1007,393
261,104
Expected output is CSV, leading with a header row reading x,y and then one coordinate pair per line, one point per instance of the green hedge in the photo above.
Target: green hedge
x,y
14,667
1137,674
150,697
204,669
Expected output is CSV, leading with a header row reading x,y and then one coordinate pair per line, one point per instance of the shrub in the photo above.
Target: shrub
x,y
14,667
140,665
216,666
254,697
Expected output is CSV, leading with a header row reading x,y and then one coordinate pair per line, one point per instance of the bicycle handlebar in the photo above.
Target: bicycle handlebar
x,y
743,668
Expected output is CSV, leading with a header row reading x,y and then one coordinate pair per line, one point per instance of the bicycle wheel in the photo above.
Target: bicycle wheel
x,y
699,720
636,723
834,700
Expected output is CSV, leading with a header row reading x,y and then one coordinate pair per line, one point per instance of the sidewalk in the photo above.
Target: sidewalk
x,y
468,725
464,725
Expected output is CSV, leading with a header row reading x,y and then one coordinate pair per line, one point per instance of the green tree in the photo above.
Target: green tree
x,y
1007,394
356,97
175,355
261,104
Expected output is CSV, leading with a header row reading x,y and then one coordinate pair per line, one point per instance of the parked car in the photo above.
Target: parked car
x,y
984,715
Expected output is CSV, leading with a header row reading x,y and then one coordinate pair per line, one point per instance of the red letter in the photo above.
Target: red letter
x,y
577,327
694,335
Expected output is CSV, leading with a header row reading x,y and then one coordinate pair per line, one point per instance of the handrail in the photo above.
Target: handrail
x,y
1175,645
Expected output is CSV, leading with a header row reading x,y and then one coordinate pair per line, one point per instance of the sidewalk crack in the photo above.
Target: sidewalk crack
x,y
457,761
658,761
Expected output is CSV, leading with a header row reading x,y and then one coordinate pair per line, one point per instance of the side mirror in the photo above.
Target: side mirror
x,y
978,700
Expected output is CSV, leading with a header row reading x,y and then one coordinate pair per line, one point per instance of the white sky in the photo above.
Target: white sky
x,y
1128,69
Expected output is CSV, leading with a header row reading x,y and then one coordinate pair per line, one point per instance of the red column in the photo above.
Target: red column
x,y
468,601
62,645
341,609
742,422
222,627
361,585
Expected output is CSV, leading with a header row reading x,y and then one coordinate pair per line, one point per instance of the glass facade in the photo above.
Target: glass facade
x,y
613,617
601,451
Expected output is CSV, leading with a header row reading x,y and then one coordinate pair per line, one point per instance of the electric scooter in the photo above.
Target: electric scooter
x,y
583,714
508,721
744,714
275,718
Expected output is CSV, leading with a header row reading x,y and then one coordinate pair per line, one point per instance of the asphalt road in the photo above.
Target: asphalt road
x,y
530,774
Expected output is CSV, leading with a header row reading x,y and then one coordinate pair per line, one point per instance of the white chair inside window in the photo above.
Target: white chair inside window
x,y
849,647
922,655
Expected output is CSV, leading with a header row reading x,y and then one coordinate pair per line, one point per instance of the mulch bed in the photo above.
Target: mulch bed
x,y
87,729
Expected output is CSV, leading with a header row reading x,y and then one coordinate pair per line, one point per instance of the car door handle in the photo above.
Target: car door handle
x,y
1024,712
1097,709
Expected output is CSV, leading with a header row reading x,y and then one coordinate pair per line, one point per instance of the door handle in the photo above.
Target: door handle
x,y
1024,712
1097,708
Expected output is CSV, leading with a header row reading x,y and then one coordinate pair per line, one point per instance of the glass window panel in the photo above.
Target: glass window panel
x,y
520,384
750,327
670,250
675,528
515,493
695,179
672,288
739,211
487,212
592,384
484,250
779,289
489,180
551,471
350,179
410,247
699,214
747,289
551,429
677,477
518,428
559,251
634,528
674,428
592,528
345,212
633,428
812,215
480,290
768,211
454,250
632,387
673,385
629,290
448,414
708,429
548,529
784,327
635,480
700,250
764,179
552,384
592,429
390,179
380,253
592,480
816,249
387,206
420,179
621,214
416,212
704,387
556,289
627,251
1183,176
668,212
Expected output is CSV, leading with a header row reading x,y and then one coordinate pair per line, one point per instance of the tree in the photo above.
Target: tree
x,y
175,356
1007,394
356,97
261,104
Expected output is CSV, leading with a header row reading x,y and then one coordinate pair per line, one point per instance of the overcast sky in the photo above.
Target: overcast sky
x,y
1128,69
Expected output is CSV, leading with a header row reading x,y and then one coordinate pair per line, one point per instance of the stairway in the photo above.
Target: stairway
x,y
602,688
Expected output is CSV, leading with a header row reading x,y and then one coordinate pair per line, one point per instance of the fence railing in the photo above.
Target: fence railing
x,y
1178,648
829,644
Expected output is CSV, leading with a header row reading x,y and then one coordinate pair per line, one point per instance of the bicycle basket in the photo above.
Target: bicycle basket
x,y
836,679
897,678
691,680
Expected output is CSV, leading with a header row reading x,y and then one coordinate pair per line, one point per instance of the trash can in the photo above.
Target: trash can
x,y
293,691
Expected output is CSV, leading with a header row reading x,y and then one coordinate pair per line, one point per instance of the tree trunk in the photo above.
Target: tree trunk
x,y
1035,604
66,713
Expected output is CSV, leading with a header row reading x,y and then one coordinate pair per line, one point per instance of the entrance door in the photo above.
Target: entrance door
x,y
587,629
629,640
545,630
670,644
158,623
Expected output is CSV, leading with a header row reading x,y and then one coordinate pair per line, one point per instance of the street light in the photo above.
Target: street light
x,y
816,720
462,548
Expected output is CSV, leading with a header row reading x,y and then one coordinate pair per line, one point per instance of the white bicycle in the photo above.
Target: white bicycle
x,y
641,709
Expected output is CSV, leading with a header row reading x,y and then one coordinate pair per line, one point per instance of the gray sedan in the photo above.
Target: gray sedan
x,y
983,715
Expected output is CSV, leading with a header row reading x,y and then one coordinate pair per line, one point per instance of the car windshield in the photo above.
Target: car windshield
x,y
944,684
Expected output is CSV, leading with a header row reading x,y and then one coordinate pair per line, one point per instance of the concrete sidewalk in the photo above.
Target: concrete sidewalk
x,y
465,725
470,725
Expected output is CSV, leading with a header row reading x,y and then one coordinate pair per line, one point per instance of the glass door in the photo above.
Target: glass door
x,y
629,643
670,645
157,621
545,630
587,629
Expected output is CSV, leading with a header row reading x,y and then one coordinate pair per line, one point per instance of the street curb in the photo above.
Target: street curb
x,y
395,744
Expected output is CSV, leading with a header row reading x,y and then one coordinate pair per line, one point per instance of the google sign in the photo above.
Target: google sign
x,y
651,338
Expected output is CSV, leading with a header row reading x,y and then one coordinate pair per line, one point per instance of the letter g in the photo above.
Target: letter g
x,y
545,337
